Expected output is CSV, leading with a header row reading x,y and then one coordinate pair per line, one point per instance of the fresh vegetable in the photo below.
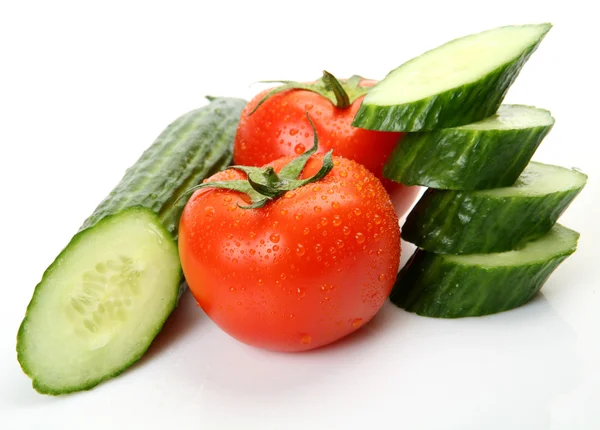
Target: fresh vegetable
x,y
496,220
106,296
458,83
490,153
274,125
305,265
452,286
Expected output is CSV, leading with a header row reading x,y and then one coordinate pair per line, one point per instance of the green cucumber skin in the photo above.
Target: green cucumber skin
x,y
40,387
431,286
192,148
468,103
460,159
463,222
189,150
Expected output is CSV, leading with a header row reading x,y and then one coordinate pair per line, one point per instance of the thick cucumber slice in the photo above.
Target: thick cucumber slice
x,y
496,220
106,296
458,83
101,303
452,286
490,153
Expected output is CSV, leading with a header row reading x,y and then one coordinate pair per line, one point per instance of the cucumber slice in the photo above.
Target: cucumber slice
x,y
101,303
490,153
496,220
458,83
452,286
106,296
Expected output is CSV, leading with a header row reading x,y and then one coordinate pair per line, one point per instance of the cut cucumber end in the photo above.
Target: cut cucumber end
x,y
495,220
458,83
540,179
513,117
490,153
450,286
559,241
455,63
100,304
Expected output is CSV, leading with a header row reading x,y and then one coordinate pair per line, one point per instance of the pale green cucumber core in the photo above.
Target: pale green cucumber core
x,y
104,301
558,240
454,64
539,179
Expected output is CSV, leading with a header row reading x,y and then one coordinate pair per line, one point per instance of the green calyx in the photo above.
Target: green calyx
x,y
341,92
264,184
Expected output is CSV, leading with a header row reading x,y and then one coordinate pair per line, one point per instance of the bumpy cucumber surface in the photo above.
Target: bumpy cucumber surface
x,y
458,83
496,220
452,286
490,153
107,295
189,150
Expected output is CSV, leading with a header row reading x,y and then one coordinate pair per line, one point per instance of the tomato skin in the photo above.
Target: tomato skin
x,y
301,272
279,127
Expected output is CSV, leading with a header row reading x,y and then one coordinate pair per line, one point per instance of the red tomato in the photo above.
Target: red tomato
x,y
279,127
305,270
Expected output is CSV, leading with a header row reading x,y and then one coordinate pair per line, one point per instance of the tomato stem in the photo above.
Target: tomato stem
x,y
263,184
341,93
342,101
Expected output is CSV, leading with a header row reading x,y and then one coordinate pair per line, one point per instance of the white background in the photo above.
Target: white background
x,y
85,88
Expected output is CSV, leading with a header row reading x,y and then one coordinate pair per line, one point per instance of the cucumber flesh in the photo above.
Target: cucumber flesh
x,y
453,286
494,220
487,154
457,83
106,296
101,303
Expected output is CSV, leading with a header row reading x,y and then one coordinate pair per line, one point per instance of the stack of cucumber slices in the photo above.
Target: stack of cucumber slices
x,y
486,228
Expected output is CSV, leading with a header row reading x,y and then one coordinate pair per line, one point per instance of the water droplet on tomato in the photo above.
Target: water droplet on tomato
x,y
305,339
377,219
209,211
293,131
379,252
233,289
318,247
357,322
382,277
360,238
274,238
252,251
300,293
346,230
317,209
323,221
340,243
336,220
298,217
335,205
357,211
306,231
299,149
343,173
300,250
